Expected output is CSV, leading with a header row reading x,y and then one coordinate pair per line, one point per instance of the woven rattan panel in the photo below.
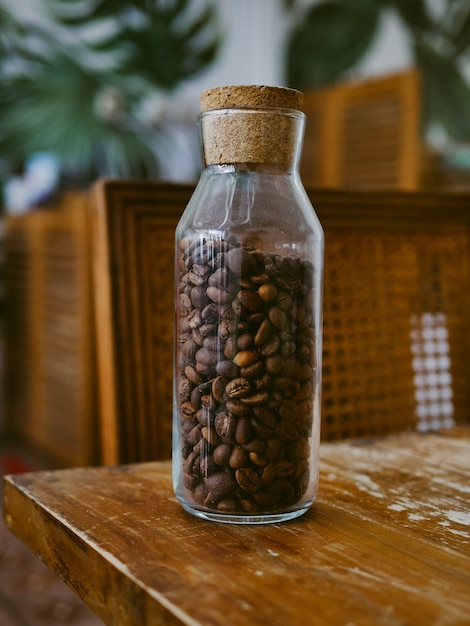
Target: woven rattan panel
x,y
393,321
134,269
396,328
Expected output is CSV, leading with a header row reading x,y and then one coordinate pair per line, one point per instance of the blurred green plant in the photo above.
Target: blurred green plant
x,y
87,80
332,37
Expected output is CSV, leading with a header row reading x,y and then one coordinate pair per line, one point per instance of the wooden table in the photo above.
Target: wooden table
x,y
387,542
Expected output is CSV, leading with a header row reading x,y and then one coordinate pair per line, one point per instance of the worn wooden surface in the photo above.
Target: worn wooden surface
x,y
387,542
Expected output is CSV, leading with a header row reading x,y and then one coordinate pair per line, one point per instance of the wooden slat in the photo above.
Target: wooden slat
x,y
356,123
49,306
386,543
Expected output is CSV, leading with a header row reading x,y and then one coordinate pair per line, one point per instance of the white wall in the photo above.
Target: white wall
x,y
253,53
254,48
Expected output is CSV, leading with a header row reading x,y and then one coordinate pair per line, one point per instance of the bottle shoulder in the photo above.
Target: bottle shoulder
x,y
228,197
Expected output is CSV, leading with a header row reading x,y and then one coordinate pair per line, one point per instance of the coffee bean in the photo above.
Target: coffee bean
x,y
245,341
220,296
267,292
207,357
238,457
245,368
268,474
253,371
265,416
248,479
222,454
244,358
219,484
260,430
287,431
238,388
271,347
210,435
192,375
199,297
227,369
218,388
254,445
243,433
220,278
263,334
284,300
194,319
194,435
230,349
289,410
284,468
250,300
274,365
256,399
277,317
237,408
274,448
184,389
225,424
188,411
257,459
240,262
210,313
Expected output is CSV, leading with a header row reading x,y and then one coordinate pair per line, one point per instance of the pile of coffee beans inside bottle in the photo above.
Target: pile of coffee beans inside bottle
x,y
245,372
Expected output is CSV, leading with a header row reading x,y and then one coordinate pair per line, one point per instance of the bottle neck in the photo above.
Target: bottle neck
x,y
253,139
252,169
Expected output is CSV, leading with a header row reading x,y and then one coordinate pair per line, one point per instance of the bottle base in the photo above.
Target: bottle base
x,y
242,518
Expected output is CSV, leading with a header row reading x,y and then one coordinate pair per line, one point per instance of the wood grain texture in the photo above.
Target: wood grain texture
x,y
386,543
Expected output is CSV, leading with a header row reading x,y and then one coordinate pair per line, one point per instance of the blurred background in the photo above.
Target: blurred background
x,y
110,88
94,88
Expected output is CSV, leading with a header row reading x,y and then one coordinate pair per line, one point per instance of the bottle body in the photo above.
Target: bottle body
x,y
248,293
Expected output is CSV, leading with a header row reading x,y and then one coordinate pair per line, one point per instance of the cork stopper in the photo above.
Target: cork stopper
x,y
251,96
251,124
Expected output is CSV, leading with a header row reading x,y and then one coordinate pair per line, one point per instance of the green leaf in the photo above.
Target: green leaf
x,y
414,13
331,38
461,40
81,12
446,95
167,49
55,111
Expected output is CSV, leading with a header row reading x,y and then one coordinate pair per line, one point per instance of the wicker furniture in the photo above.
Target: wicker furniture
x,y
50,377
134,226
396,325
396,329
364,134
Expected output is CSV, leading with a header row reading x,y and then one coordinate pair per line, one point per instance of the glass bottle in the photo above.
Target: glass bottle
x,y
248,293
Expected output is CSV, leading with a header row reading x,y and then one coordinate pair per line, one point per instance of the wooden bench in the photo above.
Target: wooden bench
x,y
386,543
